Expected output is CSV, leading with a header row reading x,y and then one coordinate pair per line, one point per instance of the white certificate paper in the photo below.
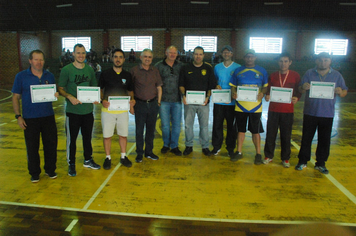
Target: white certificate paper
x,y
221,95
43,93
195,97
323,90
281,95
87,94
247,94
119,103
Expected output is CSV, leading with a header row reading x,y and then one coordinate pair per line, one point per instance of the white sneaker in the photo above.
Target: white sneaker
x,y
286,163
267,160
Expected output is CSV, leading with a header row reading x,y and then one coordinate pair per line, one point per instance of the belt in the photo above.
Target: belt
x,y
146,101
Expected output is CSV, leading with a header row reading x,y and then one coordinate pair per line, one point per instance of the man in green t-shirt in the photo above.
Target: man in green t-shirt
x,y
79,115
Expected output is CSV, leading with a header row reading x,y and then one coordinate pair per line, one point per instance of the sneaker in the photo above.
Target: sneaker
x,y
139,158
206,152
258,159
71,170
35,179
152,156
91,164
126,162
300,166
176,151
165,149
286,163
322,169
215,151
237,156
267,160
187,150
107,164
52,175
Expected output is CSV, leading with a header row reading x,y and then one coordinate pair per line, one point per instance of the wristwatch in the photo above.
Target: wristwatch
x,y
17,116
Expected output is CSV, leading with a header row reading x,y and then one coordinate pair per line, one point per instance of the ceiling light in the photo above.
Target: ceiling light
x,y
199,2
129,3
65,5
273,3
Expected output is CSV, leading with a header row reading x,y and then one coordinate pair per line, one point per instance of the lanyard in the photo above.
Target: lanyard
x,y
285,79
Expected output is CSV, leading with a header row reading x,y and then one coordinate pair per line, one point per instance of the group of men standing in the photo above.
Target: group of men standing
x,y
162,89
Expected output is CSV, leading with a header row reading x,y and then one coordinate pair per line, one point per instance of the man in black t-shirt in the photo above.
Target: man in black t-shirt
x,y
197,76
118,83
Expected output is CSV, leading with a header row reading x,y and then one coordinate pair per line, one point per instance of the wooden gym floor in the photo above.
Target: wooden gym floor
x,y
187,195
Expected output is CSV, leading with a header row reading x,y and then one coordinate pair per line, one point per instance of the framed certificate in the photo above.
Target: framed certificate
x,y
195,97
247,94
87,94
119,103
324,90
221,95
281,95
43,93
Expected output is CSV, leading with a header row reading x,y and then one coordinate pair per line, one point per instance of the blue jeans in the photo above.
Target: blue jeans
x,y
170,112
203,117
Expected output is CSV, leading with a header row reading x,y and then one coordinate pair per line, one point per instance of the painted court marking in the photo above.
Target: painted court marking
x,y
91,200
337,184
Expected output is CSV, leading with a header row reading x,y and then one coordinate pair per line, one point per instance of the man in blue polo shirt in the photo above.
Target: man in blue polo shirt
x,y
225,111
250,75
319,112
37,118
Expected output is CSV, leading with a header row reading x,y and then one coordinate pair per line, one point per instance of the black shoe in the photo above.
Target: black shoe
x,y
235,156
187,150
165,149
71,170
152,156
52,175
176,151
258,159
107,164
35,179
126,162
215,151
206,152
91,164
139,158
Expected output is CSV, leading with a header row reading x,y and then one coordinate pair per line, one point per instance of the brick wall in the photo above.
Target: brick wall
x,y
9,63
30,42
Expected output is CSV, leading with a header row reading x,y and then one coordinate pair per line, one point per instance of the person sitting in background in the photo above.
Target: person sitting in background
x,y
132,56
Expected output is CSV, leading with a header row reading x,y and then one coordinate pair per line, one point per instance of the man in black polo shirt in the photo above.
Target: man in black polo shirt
x,y
197,76
116,82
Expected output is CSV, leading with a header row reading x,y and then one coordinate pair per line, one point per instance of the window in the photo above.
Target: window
x,y
332,46
69,42
137,43
266,45
207,42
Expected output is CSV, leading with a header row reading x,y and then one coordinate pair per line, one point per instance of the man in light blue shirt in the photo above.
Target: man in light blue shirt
x,y
223,72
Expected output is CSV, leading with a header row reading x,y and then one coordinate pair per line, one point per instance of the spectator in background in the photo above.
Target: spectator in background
x,y
132,56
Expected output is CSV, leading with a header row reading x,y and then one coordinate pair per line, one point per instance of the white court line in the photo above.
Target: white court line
x,y
3,99
91,200
168,217
332,179
3,124
71,225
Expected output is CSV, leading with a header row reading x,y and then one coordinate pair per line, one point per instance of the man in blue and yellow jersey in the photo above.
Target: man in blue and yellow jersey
x,y
249,75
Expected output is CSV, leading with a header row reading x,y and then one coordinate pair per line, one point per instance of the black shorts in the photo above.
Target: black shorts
x,y
254,122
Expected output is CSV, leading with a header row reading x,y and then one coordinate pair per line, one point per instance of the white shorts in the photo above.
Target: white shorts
x,y
108,122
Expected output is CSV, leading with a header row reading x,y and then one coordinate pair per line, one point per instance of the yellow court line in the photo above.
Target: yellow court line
x,y
337,184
